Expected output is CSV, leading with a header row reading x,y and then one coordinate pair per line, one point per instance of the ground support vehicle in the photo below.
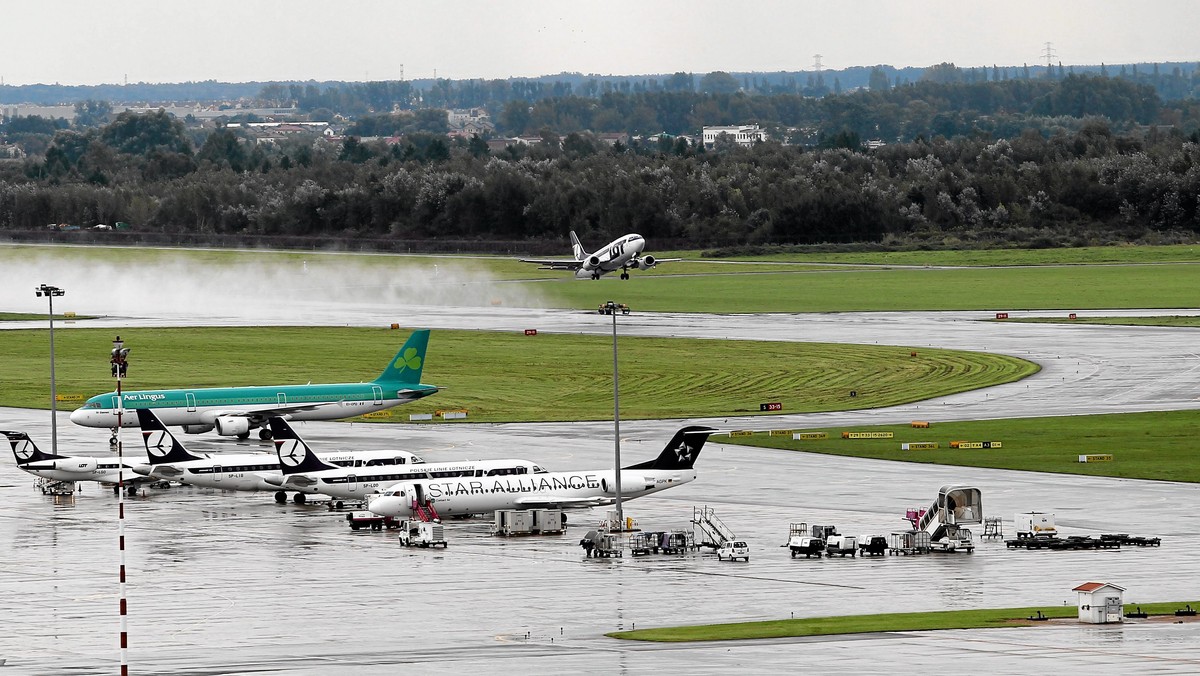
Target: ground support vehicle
x,y
734,550
371,520
414,533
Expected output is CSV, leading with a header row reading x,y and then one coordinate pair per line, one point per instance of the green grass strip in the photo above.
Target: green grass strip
x,y
510,376
1158,445
1173,320
859,624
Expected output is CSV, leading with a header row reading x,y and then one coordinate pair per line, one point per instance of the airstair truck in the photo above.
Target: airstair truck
x,y
955,507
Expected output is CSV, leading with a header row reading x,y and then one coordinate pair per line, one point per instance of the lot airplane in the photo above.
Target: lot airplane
x,y
70,468
305,472
553,490
623,253
237,472
234,411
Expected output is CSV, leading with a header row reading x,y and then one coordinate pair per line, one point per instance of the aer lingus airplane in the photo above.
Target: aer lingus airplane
x,y
241,471
234,411
623,253
71,468
552,490
305,472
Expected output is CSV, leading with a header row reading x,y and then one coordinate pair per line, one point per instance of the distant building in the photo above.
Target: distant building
x,y
10,151
468,123
743,135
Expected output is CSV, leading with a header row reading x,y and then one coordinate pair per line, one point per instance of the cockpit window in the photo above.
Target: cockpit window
x,y
538,469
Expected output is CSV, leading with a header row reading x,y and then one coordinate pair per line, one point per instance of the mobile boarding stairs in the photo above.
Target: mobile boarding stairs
x,y
955,507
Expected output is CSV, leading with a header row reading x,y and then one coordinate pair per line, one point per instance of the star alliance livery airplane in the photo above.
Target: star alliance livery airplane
x,y
303,471
234,411
552,490
620,254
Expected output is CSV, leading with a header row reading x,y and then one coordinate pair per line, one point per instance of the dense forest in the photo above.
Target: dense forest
x,y
1071,161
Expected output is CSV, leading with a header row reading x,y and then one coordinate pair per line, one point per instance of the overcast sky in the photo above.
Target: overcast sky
x,y
90,42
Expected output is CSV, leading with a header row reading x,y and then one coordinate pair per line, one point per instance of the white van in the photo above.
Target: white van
x,y
734,550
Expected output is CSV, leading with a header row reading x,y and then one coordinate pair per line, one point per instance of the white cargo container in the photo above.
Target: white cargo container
x,y
1031,524
513,522
547,521
841,544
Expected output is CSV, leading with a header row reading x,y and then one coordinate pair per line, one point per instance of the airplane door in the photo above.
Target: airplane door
x,y
191,402
281,398
217,471
352,483
378,392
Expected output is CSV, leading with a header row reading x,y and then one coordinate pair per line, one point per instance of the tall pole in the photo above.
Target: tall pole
x,y
612,310
50,292
119,354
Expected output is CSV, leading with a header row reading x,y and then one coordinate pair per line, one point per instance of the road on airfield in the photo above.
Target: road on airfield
x,y
233,583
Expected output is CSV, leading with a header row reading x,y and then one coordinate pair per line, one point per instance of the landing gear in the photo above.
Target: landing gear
x,y
299,498
131,491
595,275
243,436
264,434
280,497
112,441
624,274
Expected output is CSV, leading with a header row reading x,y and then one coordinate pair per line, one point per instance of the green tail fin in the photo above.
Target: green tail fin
x,y
406,366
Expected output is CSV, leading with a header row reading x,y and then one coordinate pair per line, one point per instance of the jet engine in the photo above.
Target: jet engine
x,y
630,483
232,426
197,429
645,262
592,263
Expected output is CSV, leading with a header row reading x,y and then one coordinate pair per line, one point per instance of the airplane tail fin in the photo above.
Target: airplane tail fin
x,y
161,445
406,366
295,456
681,452
577,249
25,451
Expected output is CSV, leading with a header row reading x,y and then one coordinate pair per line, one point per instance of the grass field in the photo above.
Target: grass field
x,y
858,624
732,287
1158,445
510,376
1181,253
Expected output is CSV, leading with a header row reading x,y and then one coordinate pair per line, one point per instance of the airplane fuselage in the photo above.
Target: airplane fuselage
x,y
203,407
261,471
457,496
370,480
82,468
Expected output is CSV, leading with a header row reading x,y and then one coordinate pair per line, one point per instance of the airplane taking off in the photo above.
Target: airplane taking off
x,y
623,253
553,490
236,472
305,472
234,411
69,468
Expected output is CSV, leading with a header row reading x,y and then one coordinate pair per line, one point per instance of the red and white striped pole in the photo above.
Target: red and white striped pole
x,y
119,354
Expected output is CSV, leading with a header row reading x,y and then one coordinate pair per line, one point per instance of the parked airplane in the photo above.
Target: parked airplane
x,y
553,490
305,472
70,468
240,471
620,254
234,411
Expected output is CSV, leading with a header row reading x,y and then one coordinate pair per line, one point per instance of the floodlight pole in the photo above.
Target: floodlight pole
x,y
50,292
119,354
612,310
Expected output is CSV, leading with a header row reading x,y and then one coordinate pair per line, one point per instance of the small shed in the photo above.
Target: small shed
x,y
1100,602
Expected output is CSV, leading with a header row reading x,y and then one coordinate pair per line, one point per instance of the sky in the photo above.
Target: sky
x,y
88,42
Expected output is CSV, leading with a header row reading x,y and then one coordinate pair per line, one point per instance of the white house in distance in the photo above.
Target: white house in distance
x,y
743,135
1100,602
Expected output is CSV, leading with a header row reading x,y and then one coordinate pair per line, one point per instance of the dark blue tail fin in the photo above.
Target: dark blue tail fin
x,y
295,456
681,452
161,445
24,450
406,366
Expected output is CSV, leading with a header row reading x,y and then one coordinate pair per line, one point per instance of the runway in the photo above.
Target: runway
x,y
223,583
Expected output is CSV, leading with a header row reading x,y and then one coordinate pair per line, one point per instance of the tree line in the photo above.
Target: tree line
x,y
1078,165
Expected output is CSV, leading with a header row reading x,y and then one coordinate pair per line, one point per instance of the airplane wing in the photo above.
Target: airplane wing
x,y
554,264
558,502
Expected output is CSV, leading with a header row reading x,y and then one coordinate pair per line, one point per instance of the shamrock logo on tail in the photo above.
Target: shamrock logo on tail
x,y
409,359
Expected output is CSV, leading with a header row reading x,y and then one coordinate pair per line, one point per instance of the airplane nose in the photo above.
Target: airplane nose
x,y
78,416
382,506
